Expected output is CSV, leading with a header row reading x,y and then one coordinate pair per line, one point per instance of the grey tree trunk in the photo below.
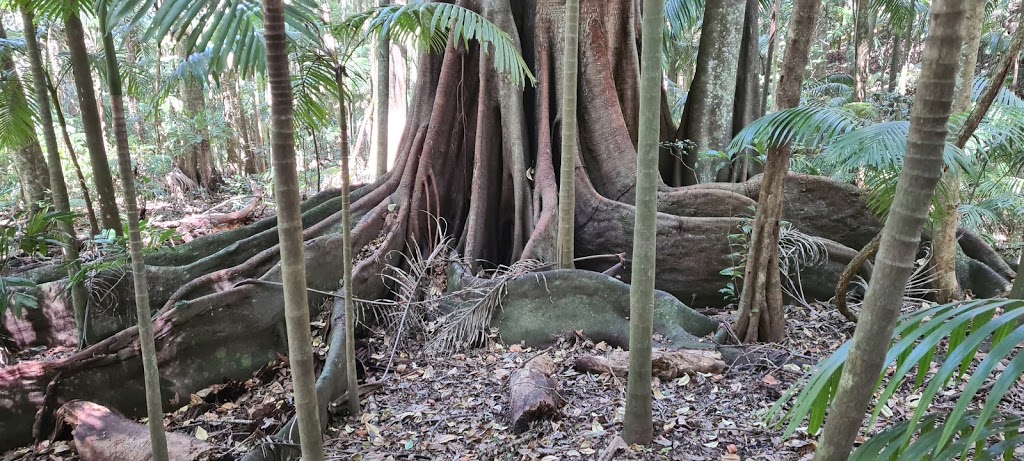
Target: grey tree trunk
x,y
154,406
381,100
90,211
761,316
1017,292
351,381
293,269
770,58
712,94
570,142
747,99
236,113
902,233
863,49
638,422
58,188
28,159
110,218
197,160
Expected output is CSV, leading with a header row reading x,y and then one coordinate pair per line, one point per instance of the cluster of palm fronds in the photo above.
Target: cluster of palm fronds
x,y
951,337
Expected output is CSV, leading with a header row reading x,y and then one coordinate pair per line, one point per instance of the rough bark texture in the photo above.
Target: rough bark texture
x,y
196,161
761,316
712,94
902,232
91,124
28,159
533,393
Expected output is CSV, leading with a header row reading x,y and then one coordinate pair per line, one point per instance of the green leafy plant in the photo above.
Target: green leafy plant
x,y
34,236
959,330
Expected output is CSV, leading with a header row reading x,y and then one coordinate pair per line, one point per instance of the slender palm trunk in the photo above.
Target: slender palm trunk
x,y
902,232
770,57
1017,292
151,373
638,423
346,251
381,98
58,188
761,316
863,49
570,130
93,127
93,223
293,269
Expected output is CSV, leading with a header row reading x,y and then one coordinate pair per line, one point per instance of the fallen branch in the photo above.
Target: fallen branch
x,y
665,365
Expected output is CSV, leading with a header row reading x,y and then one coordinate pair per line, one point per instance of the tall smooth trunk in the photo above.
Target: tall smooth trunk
x,y
761,316
709,106
86,196
346,251
1017,292
110,218
637,425
58,188
151,374
747,99
902,232
770,57
381,98
862,49
289,229
570,141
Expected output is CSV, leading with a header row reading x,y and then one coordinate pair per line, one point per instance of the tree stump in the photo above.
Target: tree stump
x,y
534,393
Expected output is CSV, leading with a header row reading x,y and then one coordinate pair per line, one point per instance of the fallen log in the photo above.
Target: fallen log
x,y
207,220
100,434
534,393
665,365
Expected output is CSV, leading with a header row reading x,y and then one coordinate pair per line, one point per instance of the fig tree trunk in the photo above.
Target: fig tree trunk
x,y
902,233
28,157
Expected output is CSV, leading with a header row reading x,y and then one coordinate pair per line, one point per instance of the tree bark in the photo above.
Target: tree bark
x,y
197,161
90,112
761,316
58,188
239,121
637,426
902,231
770,58
1017,292
286,190
533,393
381,98
745,109
346,251
154,405
86,196
570,132
709,106
862,50
28,158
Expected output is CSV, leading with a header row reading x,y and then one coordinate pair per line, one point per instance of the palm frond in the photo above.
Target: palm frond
x,y
801,126
17,112
682,16
964,328
433,25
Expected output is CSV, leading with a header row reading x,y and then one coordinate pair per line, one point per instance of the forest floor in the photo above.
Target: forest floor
x,y
422,404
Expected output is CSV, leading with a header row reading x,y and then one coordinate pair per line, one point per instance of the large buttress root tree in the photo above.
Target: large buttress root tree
x,y
465,157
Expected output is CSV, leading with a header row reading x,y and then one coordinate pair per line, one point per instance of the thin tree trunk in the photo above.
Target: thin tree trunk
x,y
908,46
93,223
154,406
745,108
58,188
93,127
638,421
570,130
28,158
293,274
351,382
761,316
381,99
902,232
708,112
863,49
770,58
1017,292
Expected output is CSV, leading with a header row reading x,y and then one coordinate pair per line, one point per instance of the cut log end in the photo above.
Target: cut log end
x,y
534,393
